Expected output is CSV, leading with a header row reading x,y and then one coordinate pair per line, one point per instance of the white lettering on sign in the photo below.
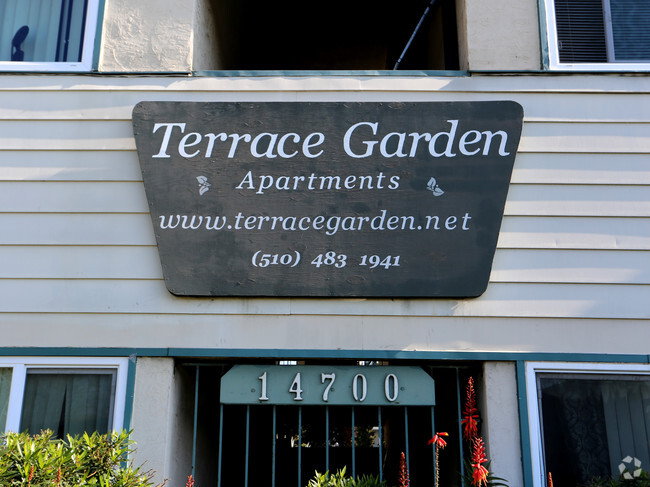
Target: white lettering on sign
x,y
359,387
407,145
361,140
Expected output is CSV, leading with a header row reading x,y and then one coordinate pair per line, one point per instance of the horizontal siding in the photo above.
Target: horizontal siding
x,y
77,239
142,262
150,296
219,333
88,165
136,229
575,233
129,197
89,105
571,266
577,168
548,137
76,229
530,167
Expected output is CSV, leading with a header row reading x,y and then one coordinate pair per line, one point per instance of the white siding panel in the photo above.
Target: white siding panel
x,y
66,262
76,229
530,168
608,138
621,169
75,197
142,262
224,332
144,296
571,266
66,135
573,200
89,105
167,87
136,229
69,166
575,233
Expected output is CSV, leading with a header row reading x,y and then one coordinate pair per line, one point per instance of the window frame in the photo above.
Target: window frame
x,y
533,369
91,31
552,54
20,366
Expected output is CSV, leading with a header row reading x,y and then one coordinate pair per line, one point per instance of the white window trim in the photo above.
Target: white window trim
x,y
86,63
535,368
554,53
20,365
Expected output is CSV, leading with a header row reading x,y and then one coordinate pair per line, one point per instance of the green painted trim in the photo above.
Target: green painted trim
x,y
323,354
98,35
524,426
81,352
306,73
543,38
130,393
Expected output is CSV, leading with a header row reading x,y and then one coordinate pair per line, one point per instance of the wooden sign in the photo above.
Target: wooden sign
x,y
327,199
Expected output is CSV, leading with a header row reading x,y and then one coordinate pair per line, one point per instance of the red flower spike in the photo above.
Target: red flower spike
x,y
438,441
403,471
479,472
190,482
470,414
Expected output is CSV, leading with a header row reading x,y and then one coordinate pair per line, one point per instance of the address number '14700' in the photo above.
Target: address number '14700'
x,y
340,385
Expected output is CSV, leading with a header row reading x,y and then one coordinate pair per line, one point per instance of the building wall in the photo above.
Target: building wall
x,y
150,36
79,266
499,35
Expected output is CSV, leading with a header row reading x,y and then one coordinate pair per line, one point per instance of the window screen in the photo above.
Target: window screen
x,y
592,425
68,401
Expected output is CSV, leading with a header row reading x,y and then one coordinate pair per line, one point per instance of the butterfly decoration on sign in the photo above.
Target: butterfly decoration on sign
x,y
432,186
203,184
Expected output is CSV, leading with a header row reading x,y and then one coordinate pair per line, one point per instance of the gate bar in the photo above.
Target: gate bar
x,y
220,444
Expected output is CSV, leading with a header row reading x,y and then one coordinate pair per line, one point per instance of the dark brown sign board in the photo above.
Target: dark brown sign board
x,y
327,199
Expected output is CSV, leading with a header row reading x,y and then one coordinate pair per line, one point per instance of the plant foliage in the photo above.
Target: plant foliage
x,y
97,460
490,481
339,479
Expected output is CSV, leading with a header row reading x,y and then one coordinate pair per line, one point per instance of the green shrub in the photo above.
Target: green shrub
x,y
339,479
90,460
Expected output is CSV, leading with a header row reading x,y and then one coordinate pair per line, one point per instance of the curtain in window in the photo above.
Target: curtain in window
x,y
55,30
627,419
591,425
5,386
67,403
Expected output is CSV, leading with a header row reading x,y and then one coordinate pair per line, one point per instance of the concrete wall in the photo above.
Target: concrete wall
x,y
147,35
499,35
155,36
162,420
500,415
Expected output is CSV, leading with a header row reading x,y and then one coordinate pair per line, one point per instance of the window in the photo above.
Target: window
x,y
67,396
588,420
364,34
47,35
598,34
